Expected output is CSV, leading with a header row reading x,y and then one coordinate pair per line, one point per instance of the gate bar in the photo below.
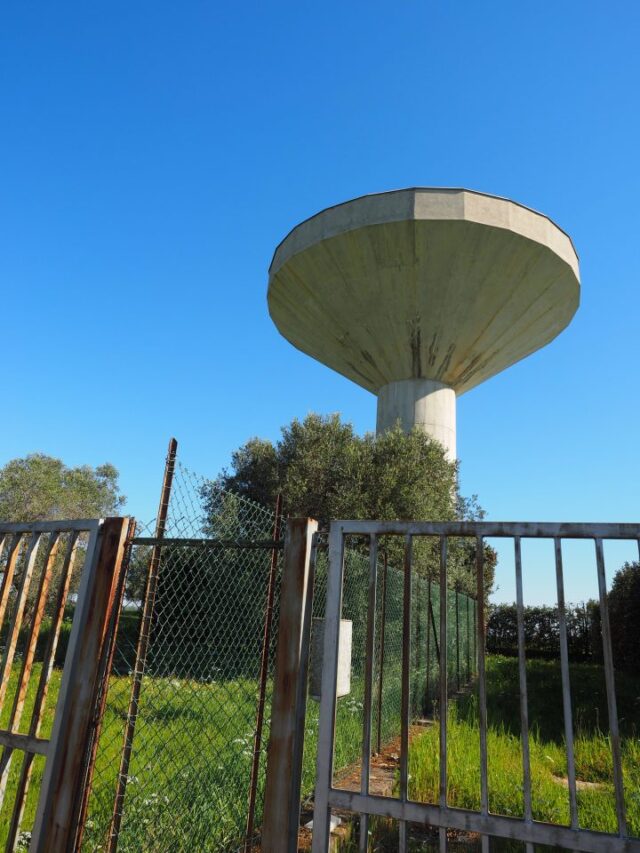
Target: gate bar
x,y
566,688
537,832
60,791
18,612
37,714
368,686
383,617
326,730
106,666
524,702
406,673
482,686
611,691
28,657
444,606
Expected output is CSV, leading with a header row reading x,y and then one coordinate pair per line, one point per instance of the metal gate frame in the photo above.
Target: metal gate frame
x,y
60,797
442,815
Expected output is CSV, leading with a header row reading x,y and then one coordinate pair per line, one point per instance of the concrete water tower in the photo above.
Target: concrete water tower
x,y
419,295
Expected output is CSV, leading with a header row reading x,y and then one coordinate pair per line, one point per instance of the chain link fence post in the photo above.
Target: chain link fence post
x,y
284,763
143,646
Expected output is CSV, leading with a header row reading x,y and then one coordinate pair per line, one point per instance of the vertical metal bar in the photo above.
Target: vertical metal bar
x,y
611,691
443,683
475,635
457,638
103,688
428,687
566,687
43,688
262,681
55,825
142,647
417,690
524,703
442,840
405,703
18,612
383,617
368,686
468,636
284,761
482,678
295,775
7,576
326,731
28,657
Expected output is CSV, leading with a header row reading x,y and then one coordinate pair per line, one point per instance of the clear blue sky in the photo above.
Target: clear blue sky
x,y
153,154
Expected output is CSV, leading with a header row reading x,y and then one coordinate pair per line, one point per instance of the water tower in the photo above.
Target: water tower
x,y
419,295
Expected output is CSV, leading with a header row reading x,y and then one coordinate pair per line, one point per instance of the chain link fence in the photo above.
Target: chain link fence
x,y
189,737
191,731
425,654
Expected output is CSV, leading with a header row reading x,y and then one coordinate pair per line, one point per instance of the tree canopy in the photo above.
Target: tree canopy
x,y
324,470
42,488
624,616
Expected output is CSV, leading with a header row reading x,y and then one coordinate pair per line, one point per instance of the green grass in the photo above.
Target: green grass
x,y
550,798
16,761
189,773
190,768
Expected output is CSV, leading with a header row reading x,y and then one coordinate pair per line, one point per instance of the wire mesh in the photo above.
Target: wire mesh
x,y
187,784
388,644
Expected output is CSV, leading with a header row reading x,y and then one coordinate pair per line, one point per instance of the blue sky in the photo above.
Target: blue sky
x,y
152,155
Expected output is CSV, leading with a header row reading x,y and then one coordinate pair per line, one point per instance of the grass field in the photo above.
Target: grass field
x,y
550,798
189,774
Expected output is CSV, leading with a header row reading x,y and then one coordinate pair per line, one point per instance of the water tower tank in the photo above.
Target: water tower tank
x,y
419,295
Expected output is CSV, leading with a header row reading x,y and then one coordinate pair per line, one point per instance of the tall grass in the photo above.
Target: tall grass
x,y
188,782
550,798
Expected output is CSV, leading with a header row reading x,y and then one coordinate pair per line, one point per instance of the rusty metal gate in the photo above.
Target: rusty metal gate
x,y
481,823
49,716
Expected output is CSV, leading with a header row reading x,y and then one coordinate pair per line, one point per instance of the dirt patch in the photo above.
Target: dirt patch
x,y
384,767
581,785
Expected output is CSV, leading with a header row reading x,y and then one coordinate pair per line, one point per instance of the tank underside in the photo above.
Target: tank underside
x,y
446,285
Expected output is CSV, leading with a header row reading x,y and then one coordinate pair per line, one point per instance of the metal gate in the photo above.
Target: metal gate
x,y
442,815
41,564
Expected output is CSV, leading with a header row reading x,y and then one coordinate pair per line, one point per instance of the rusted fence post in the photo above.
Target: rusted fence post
x,y
143,646
106,666
264,674
284,763
61,791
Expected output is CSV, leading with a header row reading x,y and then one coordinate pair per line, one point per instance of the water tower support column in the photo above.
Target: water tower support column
x,y
426,403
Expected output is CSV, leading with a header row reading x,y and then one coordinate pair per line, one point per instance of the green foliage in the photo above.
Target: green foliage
x,y
542,630
209,613
324,470
624,615
42,488
548,751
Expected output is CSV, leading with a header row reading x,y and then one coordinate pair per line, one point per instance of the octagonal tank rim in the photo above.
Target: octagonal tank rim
x,y
280,256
